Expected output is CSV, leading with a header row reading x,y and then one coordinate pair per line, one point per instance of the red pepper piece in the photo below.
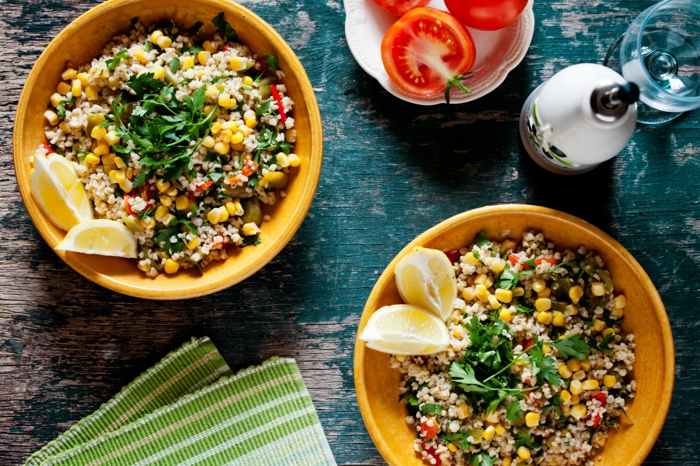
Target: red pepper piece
x,y
227,48
250,168
528,343
513,259
429,431
602,397
205,185
127,205
48,148
280,108
432,453
452,256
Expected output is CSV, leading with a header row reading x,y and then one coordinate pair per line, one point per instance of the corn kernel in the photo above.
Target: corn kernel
x,y
203,57
187,63
532,419
120,176
518,291
171,266
528,294
457,332
225,136
84,78
208,142
221,147
63,88
565,395
572,310
238,147
126,185
213,216
598,440
546,349
609,330
239,63
573,364
294,160
507,245
224,100
576,387
579,375
575,399
505,315
609,381
92,92
250,229
166,200
51,117
162,185
524,452
98,132
451,447
111,138
538,285
216,127
470,259
586,365
56,99
507,461
564,371
141,56
112,172
500,430
463,410
155,35
504,296
65,127
172,191
578,411
545,318
598,325
281,159
546,293
495,304
597,288
76,88
557,318
400,357
480,279
590,384
164,42
575,293
161,212
482,293
182,202
68,74
543,304
497,265
147,222
158,72
224,214
245,130
251,122
208,46
493,417
468,294
489,432
617,313
92,159
620,302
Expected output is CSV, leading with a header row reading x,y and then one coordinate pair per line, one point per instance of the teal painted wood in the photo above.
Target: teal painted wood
x,y
391,171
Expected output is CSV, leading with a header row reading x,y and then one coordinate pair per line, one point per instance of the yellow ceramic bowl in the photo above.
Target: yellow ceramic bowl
x,y
83,40
377,384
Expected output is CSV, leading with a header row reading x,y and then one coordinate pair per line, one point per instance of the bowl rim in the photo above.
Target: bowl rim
x,y
388,274
300,209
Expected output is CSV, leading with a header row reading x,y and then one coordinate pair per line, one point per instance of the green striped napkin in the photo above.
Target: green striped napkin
x,y
189,409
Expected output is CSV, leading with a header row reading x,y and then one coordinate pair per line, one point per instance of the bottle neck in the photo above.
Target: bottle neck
x,y
610,100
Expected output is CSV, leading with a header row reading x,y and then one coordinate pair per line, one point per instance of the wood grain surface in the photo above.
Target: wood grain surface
x,y
391,171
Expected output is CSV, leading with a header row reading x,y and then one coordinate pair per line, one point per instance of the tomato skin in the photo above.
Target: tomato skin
x,y
419,38
400,7
486,15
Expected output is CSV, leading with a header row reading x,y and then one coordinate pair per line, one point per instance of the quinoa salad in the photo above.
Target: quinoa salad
x,y
538,369
180,137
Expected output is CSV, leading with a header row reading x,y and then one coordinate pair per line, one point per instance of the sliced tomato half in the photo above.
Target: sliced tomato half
x,y
428,51
400,7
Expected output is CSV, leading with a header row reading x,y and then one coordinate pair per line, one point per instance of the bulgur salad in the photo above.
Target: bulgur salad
x,y
537,369
179,139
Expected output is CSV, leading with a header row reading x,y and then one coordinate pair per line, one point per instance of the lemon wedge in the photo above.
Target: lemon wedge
x,y
103,236
425,278
58,191
405,329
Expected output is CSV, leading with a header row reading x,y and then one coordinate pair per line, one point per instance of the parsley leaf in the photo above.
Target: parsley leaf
x,y
524,309
194,29
224,28
145,84
481,239
431,408
248,240
513,411
273,62
522,439
573,346
61,108
463,374
543,367
409,398
174,64
507,280
113,62
460,439
483,459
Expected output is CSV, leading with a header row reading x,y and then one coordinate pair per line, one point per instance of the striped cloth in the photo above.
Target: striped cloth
x,y
189,409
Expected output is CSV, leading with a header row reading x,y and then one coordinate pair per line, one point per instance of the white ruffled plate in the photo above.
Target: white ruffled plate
x,y
365,26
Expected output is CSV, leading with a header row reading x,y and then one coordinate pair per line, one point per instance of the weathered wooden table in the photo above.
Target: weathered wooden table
x,y
391,171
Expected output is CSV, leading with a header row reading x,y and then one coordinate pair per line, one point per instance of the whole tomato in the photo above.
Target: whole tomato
x,y
486,15
400,7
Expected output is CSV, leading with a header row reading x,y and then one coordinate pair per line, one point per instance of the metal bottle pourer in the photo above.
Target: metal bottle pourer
x,y
609,100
